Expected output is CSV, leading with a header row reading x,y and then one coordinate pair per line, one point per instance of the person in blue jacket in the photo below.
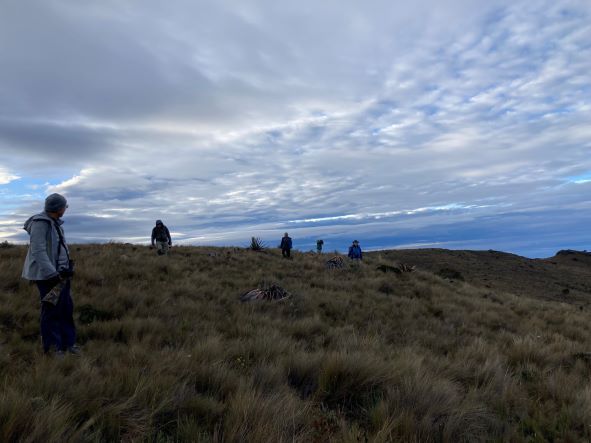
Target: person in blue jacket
x,y
48,264
355,252
286,246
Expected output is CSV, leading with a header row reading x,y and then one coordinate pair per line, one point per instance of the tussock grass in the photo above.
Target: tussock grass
x,y
356,354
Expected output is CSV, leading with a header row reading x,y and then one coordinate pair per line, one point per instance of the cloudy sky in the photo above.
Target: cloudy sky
x,y
454,124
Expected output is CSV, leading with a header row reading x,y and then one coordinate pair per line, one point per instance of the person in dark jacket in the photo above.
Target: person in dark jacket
x,y
161,235
48,264
286,245
319,244
355,252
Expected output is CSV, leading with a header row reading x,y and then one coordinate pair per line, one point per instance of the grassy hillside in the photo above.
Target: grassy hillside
x,y
170,354
564,277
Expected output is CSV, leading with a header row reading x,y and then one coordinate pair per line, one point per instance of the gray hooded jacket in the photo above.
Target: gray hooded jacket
x,y
42,261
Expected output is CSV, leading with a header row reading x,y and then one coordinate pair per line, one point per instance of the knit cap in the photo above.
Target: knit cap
x,y
55,202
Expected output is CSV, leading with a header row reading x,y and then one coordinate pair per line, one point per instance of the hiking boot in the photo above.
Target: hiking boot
x,y
75,350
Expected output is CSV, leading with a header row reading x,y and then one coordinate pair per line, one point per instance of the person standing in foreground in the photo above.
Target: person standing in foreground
x,y
48,264
286,245
355,252
161,235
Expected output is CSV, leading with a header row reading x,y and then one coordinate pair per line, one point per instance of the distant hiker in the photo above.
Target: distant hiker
x,y
286,245
355,252
48,264
161,235
319,244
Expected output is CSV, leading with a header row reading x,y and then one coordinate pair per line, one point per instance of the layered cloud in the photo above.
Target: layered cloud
x,y
6,177
397,124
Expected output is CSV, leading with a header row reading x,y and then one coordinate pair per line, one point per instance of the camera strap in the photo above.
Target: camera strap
x,y
61,243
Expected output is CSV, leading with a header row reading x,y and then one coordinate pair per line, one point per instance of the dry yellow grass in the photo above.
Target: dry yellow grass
x,y
170,354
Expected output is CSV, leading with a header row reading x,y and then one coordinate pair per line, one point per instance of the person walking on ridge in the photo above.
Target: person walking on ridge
x,y
48,264
355,252
161,235
286,246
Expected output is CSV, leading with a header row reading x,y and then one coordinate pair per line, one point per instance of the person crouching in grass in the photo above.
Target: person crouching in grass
x,y
48,264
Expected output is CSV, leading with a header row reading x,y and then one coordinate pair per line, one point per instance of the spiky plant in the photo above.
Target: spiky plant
x,y
256,244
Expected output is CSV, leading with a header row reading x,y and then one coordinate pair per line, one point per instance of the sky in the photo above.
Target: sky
x,y
449,124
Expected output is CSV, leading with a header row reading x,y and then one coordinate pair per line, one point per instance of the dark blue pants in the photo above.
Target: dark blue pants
x,y
57,322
